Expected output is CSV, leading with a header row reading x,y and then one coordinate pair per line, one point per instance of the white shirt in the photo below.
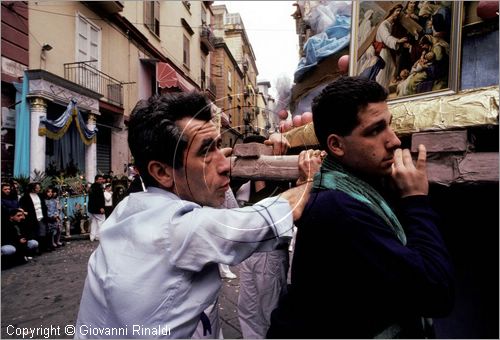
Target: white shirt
x,y
37,204
108,198
243,193
156,264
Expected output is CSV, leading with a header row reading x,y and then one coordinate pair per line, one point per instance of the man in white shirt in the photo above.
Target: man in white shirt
x,y
156,269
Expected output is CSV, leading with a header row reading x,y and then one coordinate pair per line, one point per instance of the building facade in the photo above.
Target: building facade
x,y
230,27
15,60
87,64
229,98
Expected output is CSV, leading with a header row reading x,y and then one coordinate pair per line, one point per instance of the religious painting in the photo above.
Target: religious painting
x,y
409,47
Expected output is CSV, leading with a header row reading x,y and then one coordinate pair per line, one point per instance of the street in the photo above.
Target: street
x,y
44,295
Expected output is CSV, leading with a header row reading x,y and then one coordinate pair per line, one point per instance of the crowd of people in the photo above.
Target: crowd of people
x,y
31,222
33,219
360,206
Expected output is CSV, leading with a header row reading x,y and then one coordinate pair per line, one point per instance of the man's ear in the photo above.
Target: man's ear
x,y
335,145
162,173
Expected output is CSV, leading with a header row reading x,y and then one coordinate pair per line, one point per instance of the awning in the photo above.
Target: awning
x,y
167,77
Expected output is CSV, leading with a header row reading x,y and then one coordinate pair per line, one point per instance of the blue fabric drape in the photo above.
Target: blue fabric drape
x,y
68,151
22,148
55,129
323,44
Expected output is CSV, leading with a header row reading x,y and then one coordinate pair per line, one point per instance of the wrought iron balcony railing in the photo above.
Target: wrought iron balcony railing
x,y
91,78
207,37
211,86
208,84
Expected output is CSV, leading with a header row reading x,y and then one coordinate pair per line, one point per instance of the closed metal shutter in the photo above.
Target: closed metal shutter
x,y
103,150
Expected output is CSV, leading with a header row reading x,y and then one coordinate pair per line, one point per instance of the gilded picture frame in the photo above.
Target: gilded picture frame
x,y
409,47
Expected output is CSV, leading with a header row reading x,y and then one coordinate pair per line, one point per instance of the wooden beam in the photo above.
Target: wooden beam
x,y
440,141
441,171
252,150
274,168
479,167
445,169
470,168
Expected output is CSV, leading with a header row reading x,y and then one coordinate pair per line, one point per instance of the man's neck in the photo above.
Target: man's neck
x,y
374,181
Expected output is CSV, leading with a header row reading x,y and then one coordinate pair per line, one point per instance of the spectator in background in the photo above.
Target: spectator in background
x,y
119,193
33,203
108,179
16,190
9,201
137,185
263,275
15,244
54,224
108,200
96,207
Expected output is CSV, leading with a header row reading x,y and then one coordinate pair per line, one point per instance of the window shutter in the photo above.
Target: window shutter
x,y
186,57
83,52
156,14
147,14
94,45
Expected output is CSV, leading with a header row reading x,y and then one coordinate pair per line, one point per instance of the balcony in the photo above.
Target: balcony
x,y
207,84
106,7
211,86
207,38
232,21
83,74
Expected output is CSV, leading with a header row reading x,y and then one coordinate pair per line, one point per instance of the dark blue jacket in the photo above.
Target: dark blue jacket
x,y
352,277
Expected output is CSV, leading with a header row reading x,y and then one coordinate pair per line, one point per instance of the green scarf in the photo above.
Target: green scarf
x,y
332,175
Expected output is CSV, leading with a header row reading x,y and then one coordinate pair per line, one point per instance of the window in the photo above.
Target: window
x,y
186,54
88,49
232,19
88,41
203,74
229,79
152,16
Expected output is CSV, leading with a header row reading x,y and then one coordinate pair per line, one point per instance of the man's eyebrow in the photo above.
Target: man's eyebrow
x,y
375,125
205,144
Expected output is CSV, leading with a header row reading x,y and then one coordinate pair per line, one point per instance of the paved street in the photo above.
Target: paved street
x,y
46,292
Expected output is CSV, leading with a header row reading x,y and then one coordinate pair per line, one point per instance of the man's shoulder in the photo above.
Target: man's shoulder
x,y
158,197
335,201
331,195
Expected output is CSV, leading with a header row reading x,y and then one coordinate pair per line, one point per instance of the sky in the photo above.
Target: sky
x,y
271,31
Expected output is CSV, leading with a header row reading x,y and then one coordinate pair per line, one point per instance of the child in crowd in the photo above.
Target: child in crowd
x,y
54,217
